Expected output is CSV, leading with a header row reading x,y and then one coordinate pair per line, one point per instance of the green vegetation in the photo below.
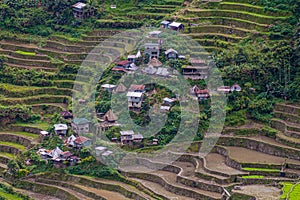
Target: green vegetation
x,y
26,53
291,191
11,144
261,169
253,177
8,193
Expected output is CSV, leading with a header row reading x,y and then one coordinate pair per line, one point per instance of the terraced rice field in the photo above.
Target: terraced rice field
x,y
226,21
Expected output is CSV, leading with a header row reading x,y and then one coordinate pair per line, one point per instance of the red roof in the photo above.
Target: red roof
x,y
81,140
119,69
66,114
123,62
202,92
136,87
66,154
194,61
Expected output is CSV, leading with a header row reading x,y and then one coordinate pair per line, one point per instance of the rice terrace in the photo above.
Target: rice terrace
x,y
150,99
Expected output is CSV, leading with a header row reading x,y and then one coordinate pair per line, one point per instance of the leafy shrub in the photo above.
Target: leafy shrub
x,y
269,132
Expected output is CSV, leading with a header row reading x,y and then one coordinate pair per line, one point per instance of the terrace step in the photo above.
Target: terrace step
x,y
283,126
243,156
286,108
169,181
89,192
2,167
31,136
72,194
258,18
158,189
217,163
294,142
226,21
221,36
262,140
21,56
31,67
221,29
292,134
5,157
130,190
16,138
287,117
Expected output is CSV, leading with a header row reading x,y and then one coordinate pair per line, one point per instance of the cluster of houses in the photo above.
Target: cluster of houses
x,y
205,94
176,26
58,156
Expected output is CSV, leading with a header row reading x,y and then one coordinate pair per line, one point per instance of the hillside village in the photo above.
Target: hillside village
x,y
121,142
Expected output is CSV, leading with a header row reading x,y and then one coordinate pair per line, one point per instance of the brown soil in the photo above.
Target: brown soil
x,y
261,192
249,156
161,191
216,162
37,195
126,186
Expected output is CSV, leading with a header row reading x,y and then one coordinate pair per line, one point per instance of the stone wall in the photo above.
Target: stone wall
x,y
260,146
15,139
9,149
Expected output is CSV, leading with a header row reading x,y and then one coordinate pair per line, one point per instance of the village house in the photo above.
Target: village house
x,y
61,129
168,102
81,142
70,141
129,137
165,24
154,34
154,62
66,115
80,125
57,155
200,94
108,120
81,10
235,87
137,88
108,87
198,69
152,50
176,26
99,150
194,72
135,100
123,64
44,133
120,88
165,108
131,58
224,89
171,54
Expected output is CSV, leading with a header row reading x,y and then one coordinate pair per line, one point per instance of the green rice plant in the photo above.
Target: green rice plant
x,y
253,177
285,189
261,169
11,144
26,53
295,192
